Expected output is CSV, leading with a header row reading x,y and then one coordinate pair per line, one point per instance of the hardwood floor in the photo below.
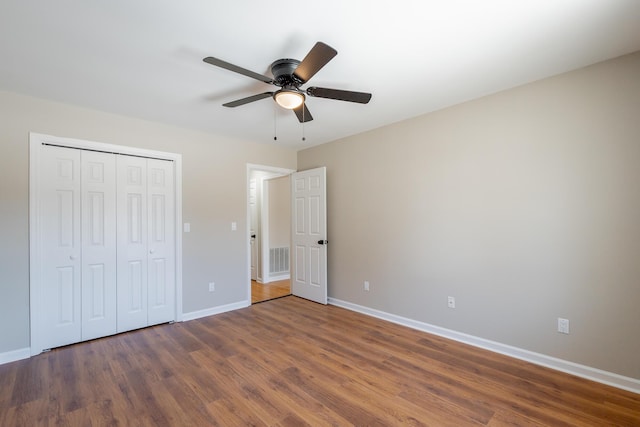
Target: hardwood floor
x,y
269,291
291,362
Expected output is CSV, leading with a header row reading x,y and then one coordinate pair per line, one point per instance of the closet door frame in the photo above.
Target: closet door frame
x,y
36,141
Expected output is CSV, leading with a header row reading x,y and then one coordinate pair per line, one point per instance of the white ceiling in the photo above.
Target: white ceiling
x,y
143,58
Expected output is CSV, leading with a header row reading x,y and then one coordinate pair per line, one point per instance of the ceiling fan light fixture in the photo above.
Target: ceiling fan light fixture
x,y
289,99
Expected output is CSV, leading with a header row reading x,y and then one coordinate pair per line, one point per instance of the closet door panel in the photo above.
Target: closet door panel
x,y
132,238
161,229
60,245
98,244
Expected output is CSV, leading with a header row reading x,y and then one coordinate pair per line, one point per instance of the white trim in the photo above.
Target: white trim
x,y
36,140
14,355
265,259
215,310
39,138
280,277
594,374
178,236
250,168
34,247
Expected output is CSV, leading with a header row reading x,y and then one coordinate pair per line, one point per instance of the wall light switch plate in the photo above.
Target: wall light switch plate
x,y
234,226
187,227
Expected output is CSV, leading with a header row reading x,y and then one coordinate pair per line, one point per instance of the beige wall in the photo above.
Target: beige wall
x,y
279,212
214,195
523,205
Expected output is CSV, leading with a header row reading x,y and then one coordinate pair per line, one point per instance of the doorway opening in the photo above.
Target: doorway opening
x,y
269,228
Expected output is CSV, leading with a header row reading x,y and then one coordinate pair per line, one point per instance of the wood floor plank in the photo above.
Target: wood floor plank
x,y
268,365
374,383
291,362
8,381
512,419
234,412
27,385
293,420
305,405
261,292
491,372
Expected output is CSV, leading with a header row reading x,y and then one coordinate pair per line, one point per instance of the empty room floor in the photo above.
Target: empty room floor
x,y
293,362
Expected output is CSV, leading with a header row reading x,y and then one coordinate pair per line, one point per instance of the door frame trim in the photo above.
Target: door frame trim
x,y
277,171
36,141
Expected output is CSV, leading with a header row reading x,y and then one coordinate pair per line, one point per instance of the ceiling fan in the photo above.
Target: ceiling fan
x,y
289,75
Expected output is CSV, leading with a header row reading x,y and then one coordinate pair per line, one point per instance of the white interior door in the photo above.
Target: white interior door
x,y
132,242
309,235
161,242
146,242
59,217
98,195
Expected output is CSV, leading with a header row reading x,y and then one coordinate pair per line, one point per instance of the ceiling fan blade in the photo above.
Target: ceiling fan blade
x,y
341,95
303,113
248,99
227,66
319,55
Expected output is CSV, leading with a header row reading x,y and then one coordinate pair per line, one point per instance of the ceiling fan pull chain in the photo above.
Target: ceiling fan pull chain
x,y
275,129
303,120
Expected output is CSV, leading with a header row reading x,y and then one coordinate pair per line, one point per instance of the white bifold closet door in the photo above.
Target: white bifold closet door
x,y
98,227
107,244
146,236
78,223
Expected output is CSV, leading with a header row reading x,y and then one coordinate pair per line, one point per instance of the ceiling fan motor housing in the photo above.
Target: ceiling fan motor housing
x,y
283,70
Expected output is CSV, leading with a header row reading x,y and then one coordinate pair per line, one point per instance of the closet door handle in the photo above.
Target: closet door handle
x,y
151,251
72,257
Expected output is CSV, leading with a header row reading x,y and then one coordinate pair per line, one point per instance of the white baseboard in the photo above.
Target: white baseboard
x,y
12,356
214,310
594,374
276,278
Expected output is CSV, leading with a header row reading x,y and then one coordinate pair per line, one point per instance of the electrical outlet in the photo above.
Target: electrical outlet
x,y
212,286
563,325
366,285
451,302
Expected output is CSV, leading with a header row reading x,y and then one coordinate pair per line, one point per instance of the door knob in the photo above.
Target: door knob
x,y
72,258
151,251
323,242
